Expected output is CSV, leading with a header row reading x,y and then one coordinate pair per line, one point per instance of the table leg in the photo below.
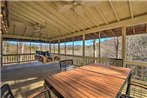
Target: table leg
x,y
129,84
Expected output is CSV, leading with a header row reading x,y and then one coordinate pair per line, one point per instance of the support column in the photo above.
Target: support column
x,y
58,46
99,45
50,47
65,47
30,52
73,46
54,48
18,56
1,48
94,50
83,44
41,46
124,46
83,48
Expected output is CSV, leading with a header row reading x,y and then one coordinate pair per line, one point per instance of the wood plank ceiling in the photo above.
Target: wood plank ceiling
x,y
24,15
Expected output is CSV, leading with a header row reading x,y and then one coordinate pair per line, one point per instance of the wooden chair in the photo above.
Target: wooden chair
x,y
66,64
7,93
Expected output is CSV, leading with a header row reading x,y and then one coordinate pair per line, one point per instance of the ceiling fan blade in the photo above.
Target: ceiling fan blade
x,y
65,8
79,10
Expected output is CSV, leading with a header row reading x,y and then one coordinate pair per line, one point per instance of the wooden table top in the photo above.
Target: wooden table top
x,y
90,81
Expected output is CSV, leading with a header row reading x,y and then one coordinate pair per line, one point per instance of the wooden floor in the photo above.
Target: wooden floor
x,y
25,78
28,76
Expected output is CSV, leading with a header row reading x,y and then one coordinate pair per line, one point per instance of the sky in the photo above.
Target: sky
x,y
87,42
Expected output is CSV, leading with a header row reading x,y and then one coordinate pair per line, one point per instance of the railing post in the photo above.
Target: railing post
x,y
83,37
1,48
124,46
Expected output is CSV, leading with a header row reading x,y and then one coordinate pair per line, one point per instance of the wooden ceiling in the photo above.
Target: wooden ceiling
x,y
104,16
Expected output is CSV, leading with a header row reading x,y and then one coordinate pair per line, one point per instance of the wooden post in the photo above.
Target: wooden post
x,y
65,47
83,37
50,47
30,51
41,46
94,50
1,48
54,48
73,46
17,53
124,46
99,45
59,46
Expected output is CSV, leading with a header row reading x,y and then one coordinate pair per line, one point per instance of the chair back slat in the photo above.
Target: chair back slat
x,y
6,91
66,62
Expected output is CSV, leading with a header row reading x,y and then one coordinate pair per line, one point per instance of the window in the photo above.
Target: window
x,y
110,47
78,48
62,48
56,48
89,48
69,48
9,47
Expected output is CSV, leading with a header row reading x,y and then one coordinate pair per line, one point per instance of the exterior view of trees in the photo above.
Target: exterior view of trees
x,y
109,48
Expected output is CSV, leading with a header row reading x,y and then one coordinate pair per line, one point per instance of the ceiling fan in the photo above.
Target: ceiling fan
x,y
38,28
77,5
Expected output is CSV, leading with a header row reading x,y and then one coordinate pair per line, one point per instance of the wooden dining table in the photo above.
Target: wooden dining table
x,y
90,81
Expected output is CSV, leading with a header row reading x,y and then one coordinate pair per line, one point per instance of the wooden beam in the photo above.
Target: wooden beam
x,y
31,18
114,11
113,32
133,30
102,16
14,29
25,31
1,49
128,22
124,46
130,7
22,37
90,17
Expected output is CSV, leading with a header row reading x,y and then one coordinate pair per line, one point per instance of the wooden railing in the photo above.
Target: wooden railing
x,y
84,60
139,71
18,58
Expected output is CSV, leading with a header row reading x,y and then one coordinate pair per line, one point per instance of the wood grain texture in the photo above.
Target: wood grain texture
x,y
94,81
